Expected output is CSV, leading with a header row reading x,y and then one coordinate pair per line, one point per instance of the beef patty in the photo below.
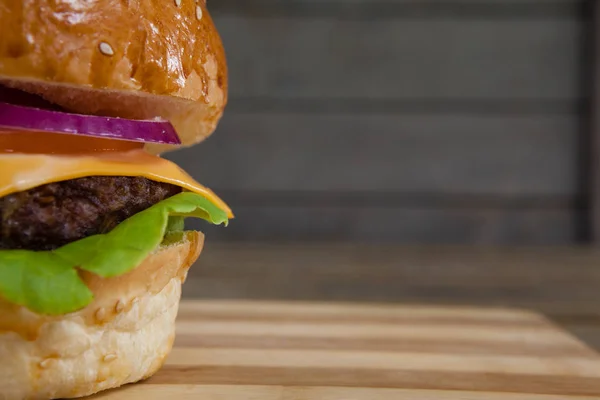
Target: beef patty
x,y
52,215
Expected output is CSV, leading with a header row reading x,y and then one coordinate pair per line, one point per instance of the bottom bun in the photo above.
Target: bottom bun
x,y
124,336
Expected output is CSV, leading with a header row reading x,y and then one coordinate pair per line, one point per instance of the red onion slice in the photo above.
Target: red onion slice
x,y
17,117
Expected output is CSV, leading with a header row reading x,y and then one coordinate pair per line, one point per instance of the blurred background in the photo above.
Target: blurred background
x,y
404,121
405,150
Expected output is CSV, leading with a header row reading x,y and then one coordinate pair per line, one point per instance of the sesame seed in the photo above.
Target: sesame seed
x,y
106,49
178,3
46,363
120,306
100,314
109,357
198,13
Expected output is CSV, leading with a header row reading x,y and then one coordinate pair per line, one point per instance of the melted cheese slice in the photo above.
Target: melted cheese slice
x,y
20,172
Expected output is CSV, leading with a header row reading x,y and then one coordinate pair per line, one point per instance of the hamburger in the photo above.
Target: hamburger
x,y
93,246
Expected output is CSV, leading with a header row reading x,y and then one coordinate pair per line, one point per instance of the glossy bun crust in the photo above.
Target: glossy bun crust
x,y
122,337
134,59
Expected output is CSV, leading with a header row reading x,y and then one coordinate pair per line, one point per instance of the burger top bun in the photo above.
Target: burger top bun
x,y
136,59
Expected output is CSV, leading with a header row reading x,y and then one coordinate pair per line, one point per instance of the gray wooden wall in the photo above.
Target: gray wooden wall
x,y
408,121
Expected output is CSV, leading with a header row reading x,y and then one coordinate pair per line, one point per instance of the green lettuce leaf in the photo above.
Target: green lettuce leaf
x,y
47,282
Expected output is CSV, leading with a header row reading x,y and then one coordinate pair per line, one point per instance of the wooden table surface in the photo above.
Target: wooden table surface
x,y
325,351
354,322
561,283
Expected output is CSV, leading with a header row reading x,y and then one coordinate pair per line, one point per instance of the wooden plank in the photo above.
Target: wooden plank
x,y
533,271
228,324
400,331
518,365
325,57
333,311
562,282
416,345
225,4
415,153
401,9
193,369
228,5
408,225
257,392
387,290
593,126
359,378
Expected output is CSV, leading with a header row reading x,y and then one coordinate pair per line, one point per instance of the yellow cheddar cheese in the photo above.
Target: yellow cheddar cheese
x,y
20,172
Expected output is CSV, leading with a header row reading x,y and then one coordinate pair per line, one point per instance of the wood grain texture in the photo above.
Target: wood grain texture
x,y
510,361
261,392
554,280
408,178
446,57
378,120
408,153
560,282
593,125
479,8
478,223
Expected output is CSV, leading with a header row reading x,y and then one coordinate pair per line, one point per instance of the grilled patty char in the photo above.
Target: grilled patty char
x,y
55,214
